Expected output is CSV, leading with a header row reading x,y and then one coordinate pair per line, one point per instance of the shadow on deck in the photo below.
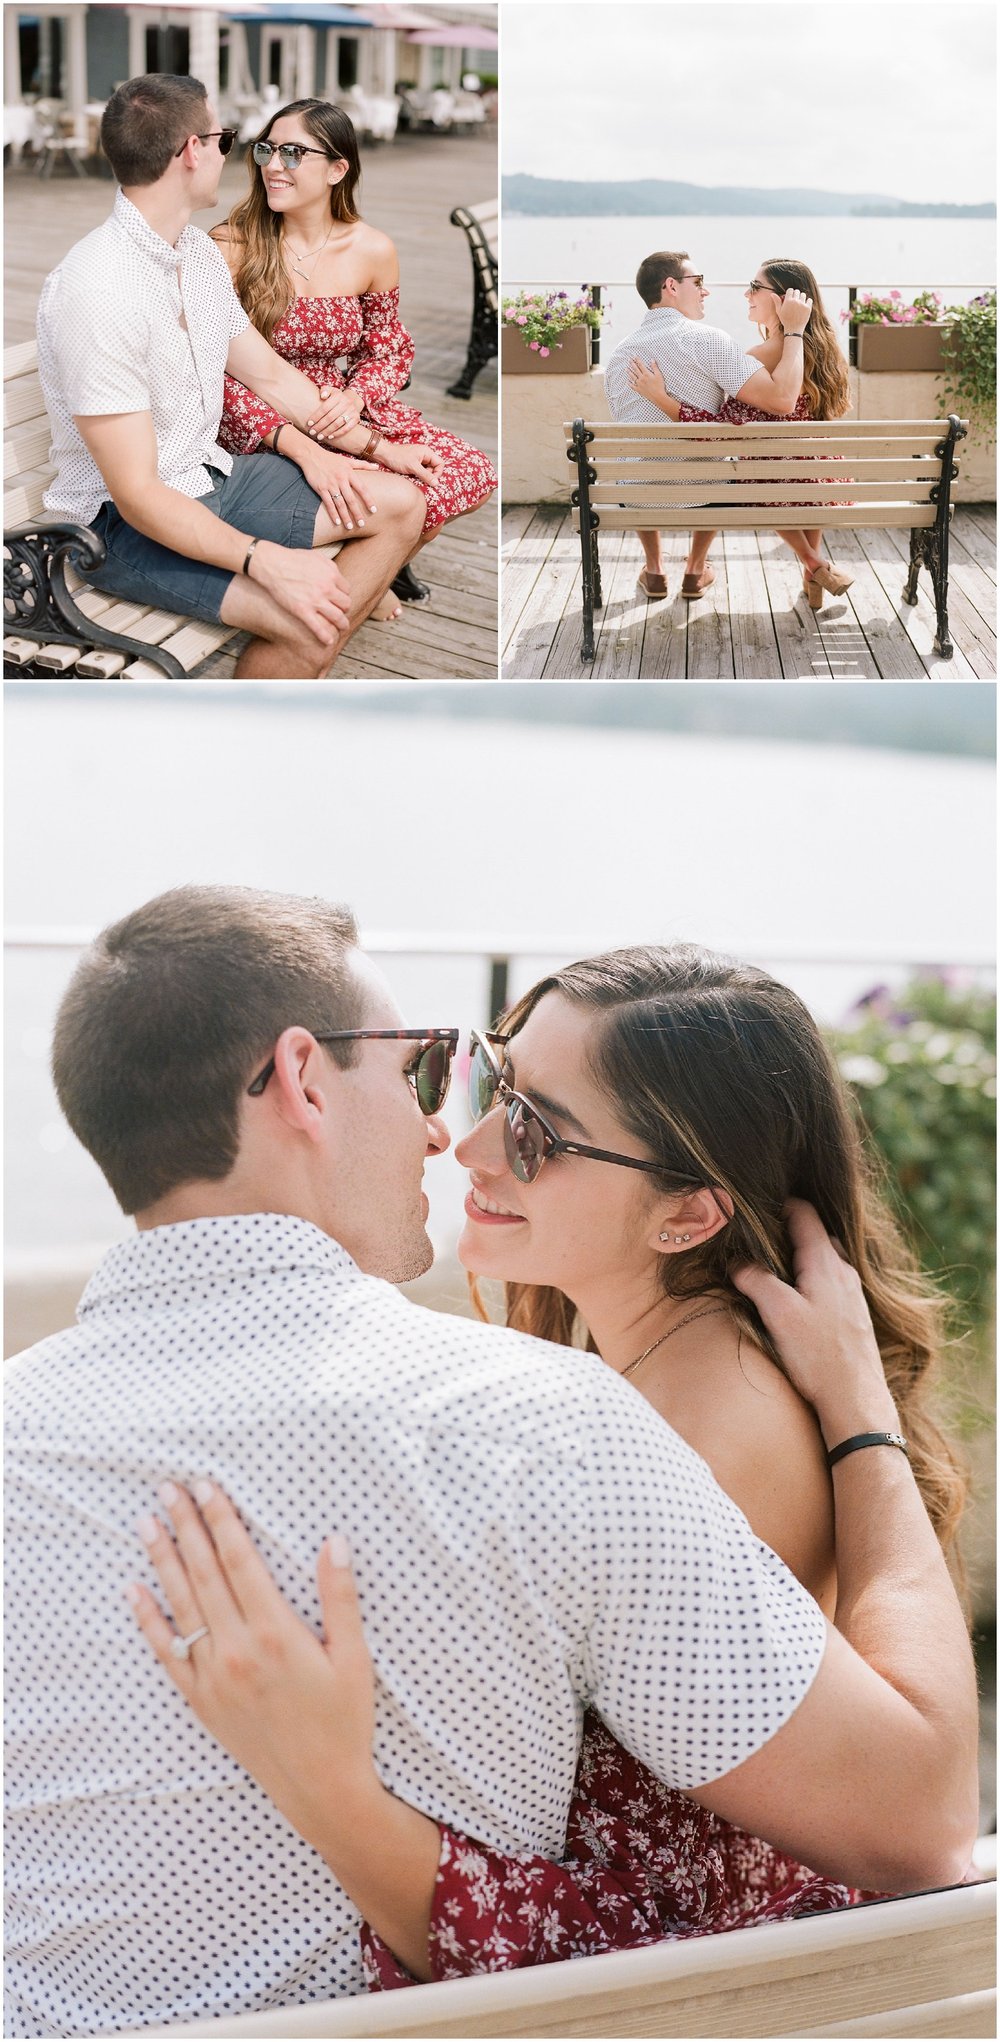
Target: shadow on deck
x,y
754,623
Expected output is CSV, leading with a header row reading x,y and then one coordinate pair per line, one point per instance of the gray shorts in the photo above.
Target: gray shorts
x,y
265,496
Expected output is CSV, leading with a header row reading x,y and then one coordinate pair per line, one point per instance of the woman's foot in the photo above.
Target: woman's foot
x,y
694,585
386,610
409,589
652,586
825,576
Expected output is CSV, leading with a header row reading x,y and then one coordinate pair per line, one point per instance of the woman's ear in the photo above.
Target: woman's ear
x,y
690,1220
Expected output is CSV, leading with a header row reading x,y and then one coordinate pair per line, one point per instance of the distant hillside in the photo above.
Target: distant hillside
x,y
955,717
565,197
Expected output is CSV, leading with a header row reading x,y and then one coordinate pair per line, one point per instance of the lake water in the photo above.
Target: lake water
x,y
876,255
834,865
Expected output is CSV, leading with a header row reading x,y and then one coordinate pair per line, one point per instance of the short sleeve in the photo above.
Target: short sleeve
x,y
723,359
100,369
702,1643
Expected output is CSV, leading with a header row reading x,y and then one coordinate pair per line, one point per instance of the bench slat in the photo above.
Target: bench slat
x,y
725,497
874,473
779,447
922,429
23,506
19,358
27,448
23,401
911,516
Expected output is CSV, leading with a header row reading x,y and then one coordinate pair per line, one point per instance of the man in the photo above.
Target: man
x,y
136,327
518,1515
700,365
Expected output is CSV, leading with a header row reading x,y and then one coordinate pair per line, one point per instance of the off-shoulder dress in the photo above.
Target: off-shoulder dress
x,y
361,344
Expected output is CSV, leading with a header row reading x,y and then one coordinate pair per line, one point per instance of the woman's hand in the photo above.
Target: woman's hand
x,y
346,486
649,383
421,463
823,1331
295,1710
340,411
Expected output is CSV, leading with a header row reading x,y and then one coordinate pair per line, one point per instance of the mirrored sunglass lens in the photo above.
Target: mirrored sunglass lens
x,y
482,1083
262,152
433,1076
524,1142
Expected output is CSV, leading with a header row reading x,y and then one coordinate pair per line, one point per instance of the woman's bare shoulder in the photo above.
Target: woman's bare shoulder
x,y
380,258
763,1445
230,243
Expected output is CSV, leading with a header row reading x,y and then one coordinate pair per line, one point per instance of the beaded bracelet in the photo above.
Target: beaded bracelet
x,y
860,1439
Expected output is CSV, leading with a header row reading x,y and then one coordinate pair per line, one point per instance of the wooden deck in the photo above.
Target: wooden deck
x,y
408,188
755,623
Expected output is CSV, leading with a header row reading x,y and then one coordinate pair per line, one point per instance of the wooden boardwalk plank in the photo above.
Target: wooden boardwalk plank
x,y
754,622
755,647
801,649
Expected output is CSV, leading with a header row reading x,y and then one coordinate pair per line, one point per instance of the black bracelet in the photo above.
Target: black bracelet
x,y
851,1446
245,569
278,430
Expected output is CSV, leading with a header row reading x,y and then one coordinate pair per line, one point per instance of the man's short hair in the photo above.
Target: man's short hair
x,y
147,121
170,1011
654,270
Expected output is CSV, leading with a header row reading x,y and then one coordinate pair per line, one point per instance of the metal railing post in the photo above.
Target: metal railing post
x,y
499,989
594,293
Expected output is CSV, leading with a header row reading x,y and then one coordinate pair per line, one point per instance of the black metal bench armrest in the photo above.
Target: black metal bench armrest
x,y
36,557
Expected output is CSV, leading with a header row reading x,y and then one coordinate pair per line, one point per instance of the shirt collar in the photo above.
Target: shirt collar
x,y
663,312
190,1259
132,222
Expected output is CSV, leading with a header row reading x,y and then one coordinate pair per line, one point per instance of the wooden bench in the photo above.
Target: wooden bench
x,y
920,1966
480,225
53,623
694,477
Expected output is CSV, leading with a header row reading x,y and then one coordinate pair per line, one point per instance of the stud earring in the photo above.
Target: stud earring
x,y
678,1238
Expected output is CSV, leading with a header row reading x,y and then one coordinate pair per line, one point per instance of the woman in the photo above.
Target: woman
x,y
323,288
825,394
642,1120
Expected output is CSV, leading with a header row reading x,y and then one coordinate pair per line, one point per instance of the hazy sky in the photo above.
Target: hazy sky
x,y
884,97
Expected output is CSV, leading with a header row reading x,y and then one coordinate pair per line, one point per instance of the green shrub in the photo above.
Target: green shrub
x,y
921,1066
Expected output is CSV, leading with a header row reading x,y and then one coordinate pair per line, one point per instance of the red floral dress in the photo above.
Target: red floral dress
x,y
643,1864
734,412
361,344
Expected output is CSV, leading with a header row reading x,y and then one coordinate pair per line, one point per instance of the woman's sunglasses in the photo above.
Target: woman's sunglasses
x,y
428,1072
291,153
528,1137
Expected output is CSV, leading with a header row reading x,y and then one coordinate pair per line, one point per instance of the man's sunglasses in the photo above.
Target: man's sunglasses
x,y
528,1137
291,153
224,136
429,1071
693,280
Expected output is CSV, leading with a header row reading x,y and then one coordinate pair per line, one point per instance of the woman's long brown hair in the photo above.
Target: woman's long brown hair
x,y
261,280
824,373
722,1075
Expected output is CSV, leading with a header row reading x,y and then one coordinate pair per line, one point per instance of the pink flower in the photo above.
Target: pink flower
x,y
895,294
509,312
534,345
522,319
545,350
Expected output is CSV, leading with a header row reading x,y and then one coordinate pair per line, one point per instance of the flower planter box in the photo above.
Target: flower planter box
x,y
885,350
570,356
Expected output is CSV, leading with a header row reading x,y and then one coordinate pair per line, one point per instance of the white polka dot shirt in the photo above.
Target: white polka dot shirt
x,y
127,323
701,365
529,1538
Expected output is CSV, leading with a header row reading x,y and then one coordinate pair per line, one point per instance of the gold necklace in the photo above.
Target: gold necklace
x,y
316,253
710,1312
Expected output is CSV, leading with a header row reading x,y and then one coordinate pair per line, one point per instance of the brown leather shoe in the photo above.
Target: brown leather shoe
x,y
652,586
694,585
825,576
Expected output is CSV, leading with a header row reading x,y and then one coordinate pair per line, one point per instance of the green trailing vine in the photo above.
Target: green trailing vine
x,y
969,352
